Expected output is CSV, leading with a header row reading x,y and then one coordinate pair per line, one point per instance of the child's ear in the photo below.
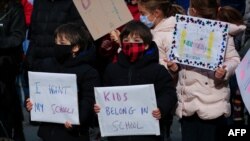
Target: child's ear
x,y
75,49
157,13
193,12
146,46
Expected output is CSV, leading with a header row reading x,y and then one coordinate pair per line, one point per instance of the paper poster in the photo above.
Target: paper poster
x,y
127,110
54,97
199,42
103,16
243,79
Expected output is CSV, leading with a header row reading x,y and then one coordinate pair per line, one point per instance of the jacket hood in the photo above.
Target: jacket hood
x,y
150,56
166,25
236,29
87,56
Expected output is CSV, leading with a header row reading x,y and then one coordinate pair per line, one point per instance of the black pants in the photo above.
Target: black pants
x,y
196,129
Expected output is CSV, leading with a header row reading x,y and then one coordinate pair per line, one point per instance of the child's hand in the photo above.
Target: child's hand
x,y
156,113
114,36
220,72
97,108
29,104
171,65
106,44
68,125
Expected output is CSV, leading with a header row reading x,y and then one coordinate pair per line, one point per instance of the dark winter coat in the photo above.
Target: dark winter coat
x,y
12,33
46,17
87,78
147,70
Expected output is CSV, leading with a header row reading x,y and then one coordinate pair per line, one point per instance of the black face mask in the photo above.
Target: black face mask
x,y
63,52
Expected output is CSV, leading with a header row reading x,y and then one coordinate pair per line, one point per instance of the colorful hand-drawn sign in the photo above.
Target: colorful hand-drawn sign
x,y
199,42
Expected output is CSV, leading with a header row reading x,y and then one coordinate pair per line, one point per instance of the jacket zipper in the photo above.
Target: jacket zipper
x,y
130,75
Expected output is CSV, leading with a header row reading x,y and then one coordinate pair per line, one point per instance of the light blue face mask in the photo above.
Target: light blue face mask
x,y
144,19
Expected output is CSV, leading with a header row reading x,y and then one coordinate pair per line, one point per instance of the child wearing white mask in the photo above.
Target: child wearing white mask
x,y
158,15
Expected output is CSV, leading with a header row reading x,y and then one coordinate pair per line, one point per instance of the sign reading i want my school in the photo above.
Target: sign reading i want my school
x,y
243,79
103,16
199,42
127,110
54,97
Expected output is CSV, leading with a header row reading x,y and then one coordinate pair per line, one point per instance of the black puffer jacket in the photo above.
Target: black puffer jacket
x,y
87,79
12,33
46,17
147,70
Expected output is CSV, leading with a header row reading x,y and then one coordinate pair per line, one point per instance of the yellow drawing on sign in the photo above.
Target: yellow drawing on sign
x,y
182,41
210,45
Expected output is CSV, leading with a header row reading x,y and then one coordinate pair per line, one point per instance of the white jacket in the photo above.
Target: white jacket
x,y
198,90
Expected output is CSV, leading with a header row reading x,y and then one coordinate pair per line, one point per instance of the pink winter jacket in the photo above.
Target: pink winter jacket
x,y
163,36
198,90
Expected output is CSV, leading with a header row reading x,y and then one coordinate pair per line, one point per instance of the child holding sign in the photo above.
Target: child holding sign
x,y
73,53
138,63
203,95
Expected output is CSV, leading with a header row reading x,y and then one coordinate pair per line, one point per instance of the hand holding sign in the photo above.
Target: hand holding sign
x,y
29,105
97,108
171,65
220,72
156,113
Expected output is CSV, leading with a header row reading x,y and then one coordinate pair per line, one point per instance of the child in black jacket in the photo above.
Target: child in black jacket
x,y
73,54
138,63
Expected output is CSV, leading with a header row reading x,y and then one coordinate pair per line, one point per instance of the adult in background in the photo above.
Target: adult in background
x,y
46,17
12,33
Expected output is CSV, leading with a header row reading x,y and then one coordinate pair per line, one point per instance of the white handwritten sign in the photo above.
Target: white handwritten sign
x,y
54,97
103,16
127,110
243,79
199,42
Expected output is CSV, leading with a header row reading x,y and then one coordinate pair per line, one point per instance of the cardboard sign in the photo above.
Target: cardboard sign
x,y
54,97
243,79
199,42
103,16
127,110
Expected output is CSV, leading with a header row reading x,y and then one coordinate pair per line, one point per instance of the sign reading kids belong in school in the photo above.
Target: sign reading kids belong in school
x,y
103,16
243,79
54,97
199,42
127,110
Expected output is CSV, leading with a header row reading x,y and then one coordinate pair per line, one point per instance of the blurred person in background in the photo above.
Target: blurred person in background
x,y
12,34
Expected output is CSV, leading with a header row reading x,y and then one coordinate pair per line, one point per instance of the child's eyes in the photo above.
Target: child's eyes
x,y
138,40
125,40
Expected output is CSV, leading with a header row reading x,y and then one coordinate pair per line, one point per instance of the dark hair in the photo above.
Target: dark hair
x,y
231,15
205,8
211,9
76,34
177,9
137,27
165,6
